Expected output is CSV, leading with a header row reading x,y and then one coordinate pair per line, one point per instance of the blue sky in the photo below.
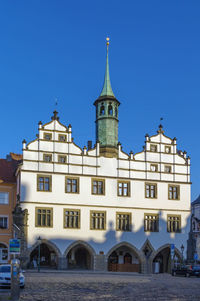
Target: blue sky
x,y
56,49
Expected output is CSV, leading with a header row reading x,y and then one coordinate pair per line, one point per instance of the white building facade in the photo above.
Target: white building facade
x,y
100,208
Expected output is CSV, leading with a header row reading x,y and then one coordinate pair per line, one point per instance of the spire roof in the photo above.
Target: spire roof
x,y
107,89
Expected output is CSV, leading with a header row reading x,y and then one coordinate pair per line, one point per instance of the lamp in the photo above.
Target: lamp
x,y
182,249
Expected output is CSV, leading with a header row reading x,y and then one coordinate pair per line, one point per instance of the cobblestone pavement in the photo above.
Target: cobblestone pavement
x,y
108,286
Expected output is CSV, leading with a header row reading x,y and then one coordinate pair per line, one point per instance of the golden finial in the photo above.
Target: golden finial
x,y
107,41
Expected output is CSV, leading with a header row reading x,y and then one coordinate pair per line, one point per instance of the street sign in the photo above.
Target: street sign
x,y
14,246
172,249
195,256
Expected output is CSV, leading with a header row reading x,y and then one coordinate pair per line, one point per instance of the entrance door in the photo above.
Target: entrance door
x,y
3,254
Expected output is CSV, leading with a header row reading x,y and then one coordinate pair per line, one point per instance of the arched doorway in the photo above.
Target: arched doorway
x,y
123,259
3,253
48,257
79,257
162,260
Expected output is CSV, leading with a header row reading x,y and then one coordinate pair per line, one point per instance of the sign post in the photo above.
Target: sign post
x,y
14,249
195,257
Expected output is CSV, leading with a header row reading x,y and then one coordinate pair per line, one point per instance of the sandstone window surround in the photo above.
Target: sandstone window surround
x,y
168,169
97,220
47,136
44,183
123,188
174,223
151,190
173,192
123,221
98,186
4,198
168,149
71,184
62,159
44,217
47,157
154,167
153,148
71,218
151,222
62,138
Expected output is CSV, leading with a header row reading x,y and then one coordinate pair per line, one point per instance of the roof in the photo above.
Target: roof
x,y
197,201
8,167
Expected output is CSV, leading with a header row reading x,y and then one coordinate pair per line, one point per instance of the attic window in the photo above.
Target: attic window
x,y
110,110
153,148
62,138
47,136
102,110
167,149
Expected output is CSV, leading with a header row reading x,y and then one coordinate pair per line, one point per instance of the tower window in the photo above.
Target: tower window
x,y
102,110
110,110
115,112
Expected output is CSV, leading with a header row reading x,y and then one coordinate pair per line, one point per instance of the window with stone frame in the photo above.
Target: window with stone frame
x,y
71,218
168,169
4,198
62,159
123,188
150,190
47,136
98,186
71,185
173,192
97,220
154,167
167,149
44,183
62,138
3,222
47,157
151,222
153,148
43,217
174,223
123,221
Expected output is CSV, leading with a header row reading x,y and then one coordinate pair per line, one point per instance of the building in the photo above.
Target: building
x,y
101,208
194,235
8,167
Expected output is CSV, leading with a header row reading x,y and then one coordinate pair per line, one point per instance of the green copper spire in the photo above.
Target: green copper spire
x,y
107,89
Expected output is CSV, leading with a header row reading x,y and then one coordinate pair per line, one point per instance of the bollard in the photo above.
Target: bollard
x,y
15,288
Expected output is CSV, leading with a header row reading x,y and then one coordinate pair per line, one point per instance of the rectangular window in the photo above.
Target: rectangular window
x,y
71,185
150,190
153,148
47,158
151,222
123,221
97,220
47,136
4,198
71,218
44,183
173,192
62,138
154,167
167,149
3,222
174,223
44,217
168,169
123,188
98,186
62,159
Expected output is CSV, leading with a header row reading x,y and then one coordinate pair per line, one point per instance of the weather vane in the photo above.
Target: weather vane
x,y
56,103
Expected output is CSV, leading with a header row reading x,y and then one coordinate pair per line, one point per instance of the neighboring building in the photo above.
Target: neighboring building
x,y
194,236
7,202
100,208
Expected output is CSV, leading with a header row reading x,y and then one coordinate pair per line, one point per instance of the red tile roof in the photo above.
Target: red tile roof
x,y
8,168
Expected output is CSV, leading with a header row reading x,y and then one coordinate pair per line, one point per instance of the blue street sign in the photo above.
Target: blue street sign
x,y
172,249
195,256
14,246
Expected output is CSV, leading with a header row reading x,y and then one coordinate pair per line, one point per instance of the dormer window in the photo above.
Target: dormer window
x,y
47,157
153,148
110,110
62,138
167,149
47,136
102,110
